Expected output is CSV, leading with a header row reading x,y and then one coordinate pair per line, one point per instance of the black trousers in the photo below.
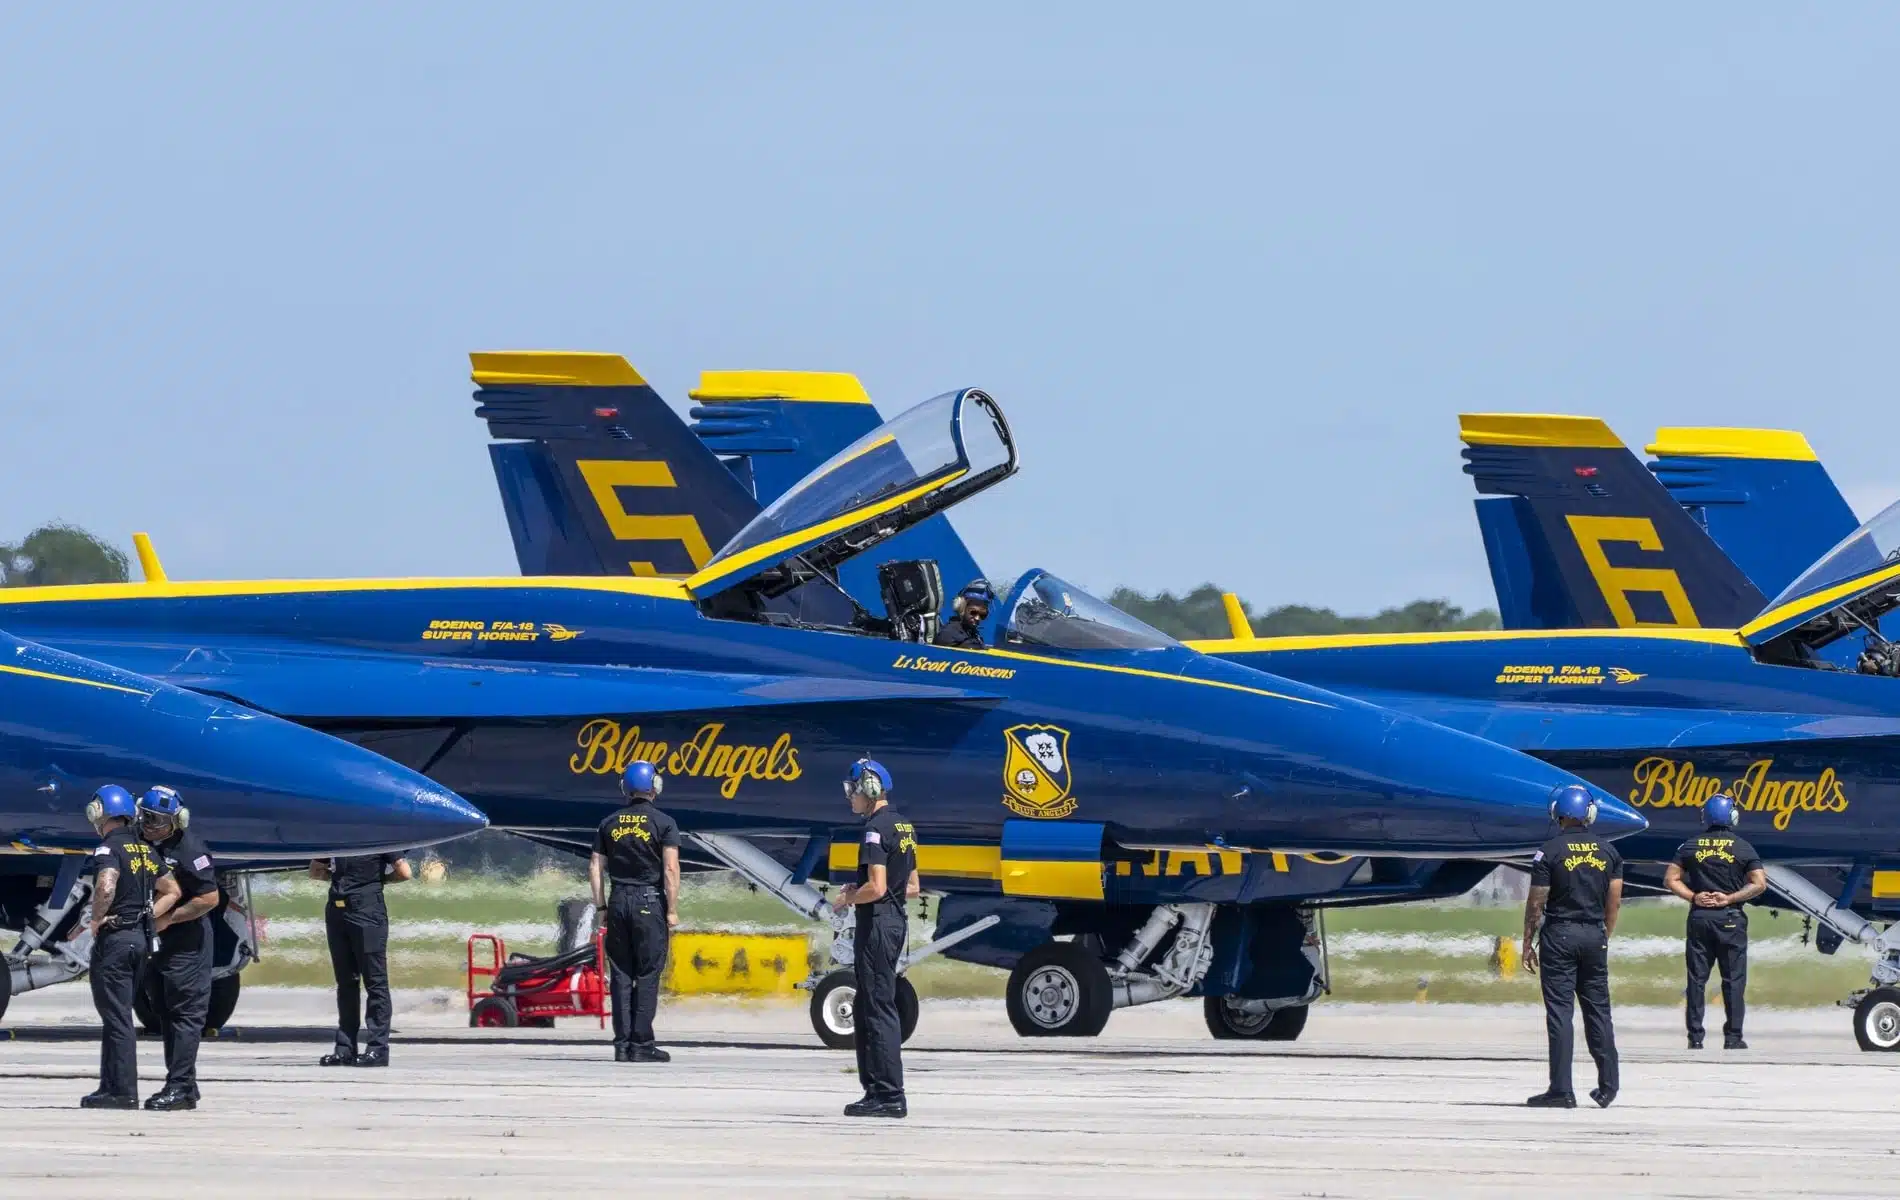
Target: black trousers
x,y
118,962
636,952
359,954
1718,935
182,974
879,944
1574,965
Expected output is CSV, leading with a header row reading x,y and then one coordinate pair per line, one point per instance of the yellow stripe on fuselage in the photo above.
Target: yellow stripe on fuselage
x,y
658,588
1713,637
964,862
32,674
1146,674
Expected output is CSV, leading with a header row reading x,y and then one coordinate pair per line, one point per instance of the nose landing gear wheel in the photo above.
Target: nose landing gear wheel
x,y
224,998
834,1009
1877,1020
1059,990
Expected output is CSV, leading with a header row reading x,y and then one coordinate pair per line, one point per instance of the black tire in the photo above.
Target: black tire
x,y
1877,1020
493,1012
145,1005
907,1008
224,998
833,1003
6,989
1059,989
1287,1025
1228,1025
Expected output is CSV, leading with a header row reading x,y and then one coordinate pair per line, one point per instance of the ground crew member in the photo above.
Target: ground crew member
x,y
1717,873
356,923
968,610
130,889
1576,891
887,876
639,849
181,970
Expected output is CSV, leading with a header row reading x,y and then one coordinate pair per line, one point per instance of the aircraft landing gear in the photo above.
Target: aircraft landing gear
x,y
834,1003
1059,989
1877,1019
1231,1018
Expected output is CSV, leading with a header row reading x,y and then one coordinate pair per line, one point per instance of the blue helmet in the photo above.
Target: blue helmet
x,y
161,801
111,801
641,781
1720,809
977,591
868,778
1573,802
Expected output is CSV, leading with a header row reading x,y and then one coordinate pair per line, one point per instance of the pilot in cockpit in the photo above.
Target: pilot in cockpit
x,y
969,609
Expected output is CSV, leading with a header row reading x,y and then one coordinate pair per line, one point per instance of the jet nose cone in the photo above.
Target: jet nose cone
x,y
281,790
1615,819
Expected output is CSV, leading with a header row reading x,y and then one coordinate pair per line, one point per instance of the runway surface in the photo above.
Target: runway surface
x,y
1398,1100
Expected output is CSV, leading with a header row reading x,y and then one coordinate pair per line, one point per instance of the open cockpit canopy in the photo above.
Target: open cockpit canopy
x,y
913,466
1845,592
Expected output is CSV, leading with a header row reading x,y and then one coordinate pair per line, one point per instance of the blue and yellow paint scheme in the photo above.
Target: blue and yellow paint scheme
x,y
1060,763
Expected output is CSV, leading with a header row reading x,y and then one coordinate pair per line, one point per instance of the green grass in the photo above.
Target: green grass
x,y
1359,973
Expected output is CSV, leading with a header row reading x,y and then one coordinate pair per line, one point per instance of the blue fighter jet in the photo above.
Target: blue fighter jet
x,y
259,789
1051,768
1627,688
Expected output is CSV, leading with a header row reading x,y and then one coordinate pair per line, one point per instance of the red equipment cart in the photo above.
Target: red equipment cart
x,y
531,992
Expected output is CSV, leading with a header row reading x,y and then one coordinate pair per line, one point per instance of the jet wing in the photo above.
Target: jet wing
x,y
330,686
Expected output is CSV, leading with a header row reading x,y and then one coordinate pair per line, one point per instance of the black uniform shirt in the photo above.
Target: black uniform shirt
x,y
139,872
889,841
632,840
1718,861
190,864
359,879
1577,868
959,635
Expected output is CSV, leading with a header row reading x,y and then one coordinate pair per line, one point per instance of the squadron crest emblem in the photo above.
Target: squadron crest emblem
x,y
1036,779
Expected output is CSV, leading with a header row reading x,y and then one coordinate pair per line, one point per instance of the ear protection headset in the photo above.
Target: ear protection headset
x,y
1573,802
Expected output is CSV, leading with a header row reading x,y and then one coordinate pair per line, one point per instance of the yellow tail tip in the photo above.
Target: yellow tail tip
x,y
149,565
552,368
1535,429
1705,442
813,387
1237,624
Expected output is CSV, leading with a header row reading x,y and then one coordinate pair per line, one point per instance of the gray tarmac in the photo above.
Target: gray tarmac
x,y
1375,1100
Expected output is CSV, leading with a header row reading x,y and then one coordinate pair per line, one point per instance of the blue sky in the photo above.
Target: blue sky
x,y
1232,269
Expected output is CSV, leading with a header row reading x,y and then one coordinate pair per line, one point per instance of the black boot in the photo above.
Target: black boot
x,y
868,1107
1552,1100
337,1060
1603,1096
108,1100
621,1054
1734,1043
1695,1043
172,1100
372,1058
648,1053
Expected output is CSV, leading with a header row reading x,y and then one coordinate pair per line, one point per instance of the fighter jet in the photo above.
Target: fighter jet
x,y
258,788
1081,742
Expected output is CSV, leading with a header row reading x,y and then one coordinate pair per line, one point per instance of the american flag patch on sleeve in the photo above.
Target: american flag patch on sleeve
x,y
105,850
1538,857
201,863
871,838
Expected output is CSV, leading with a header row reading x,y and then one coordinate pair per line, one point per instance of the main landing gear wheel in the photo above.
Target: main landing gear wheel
x,y
224,998
1877,1020
1059,990
145,1005
834,1009
6,988
493,1012
1287,1025
1229,1022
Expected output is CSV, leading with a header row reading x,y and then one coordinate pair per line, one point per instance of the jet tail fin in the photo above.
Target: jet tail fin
x,y
1762,494
597,475
1587,537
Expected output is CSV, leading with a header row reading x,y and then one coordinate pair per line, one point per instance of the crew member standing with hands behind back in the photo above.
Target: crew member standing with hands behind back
x,y
1717,873
638,848
356,921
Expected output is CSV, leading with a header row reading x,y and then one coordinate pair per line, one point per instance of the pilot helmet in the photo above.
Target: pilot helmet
x,y
642,781
977,591
1573,802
